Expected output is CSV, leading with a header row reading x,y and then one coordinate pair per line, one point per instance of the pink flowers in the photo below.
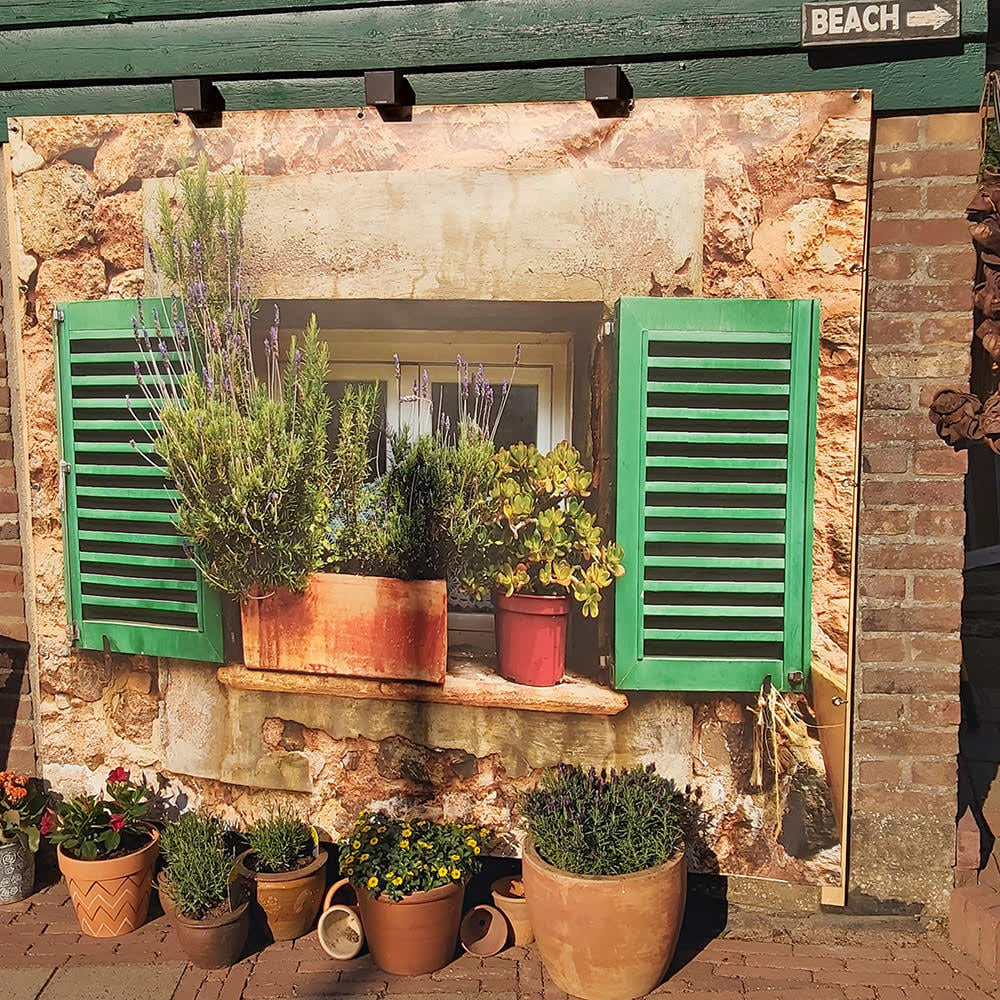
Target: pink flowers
x,y
118,776
116,822
48,823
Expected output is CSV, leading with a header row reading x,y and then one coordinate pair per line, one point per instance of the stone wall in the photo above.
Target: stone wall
x,y
912,521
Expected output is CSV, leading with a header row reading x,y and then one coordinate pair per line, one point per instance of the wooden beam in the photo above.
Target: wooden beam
x,y
900,85
354,39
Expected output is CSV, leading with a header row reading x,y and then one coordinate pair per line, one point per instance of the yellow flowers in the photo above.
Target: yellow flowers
x,y
373,882
471,841
356,844
397,881
365,857
425,845
404,845
477,850
373,841
381,829
443,872
454,857
406,833
455,873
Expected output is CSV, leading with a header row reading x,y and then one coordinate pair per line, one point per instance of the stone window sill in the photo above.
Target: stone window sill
x,y
472,680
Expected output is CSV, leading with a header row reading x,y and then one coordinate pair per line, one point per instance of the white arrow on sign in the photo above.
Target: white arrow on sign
x,y
934,18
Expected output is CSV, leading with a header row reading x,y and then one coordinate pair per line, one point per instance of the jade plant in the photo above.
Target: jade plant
x,y
543,540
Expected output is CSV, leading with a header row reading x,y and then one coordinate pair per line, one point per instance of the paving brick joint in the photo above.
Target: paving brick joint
x,y
43,956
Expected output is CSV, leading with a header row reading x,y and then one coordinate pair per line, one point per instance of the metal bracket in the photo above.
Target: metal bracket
x,y
58,316
64,471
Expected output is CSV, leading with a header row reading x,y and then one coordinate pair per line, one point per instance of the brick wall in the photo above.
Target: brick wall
x,y
16,729
919,328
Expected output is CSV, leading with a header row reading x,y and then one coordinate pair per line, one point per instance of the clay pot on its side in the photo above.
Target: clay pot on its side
x,y
285,905
531,638
416,935
515,908
484,931
340,931
214,942
17,871
111,897
605,937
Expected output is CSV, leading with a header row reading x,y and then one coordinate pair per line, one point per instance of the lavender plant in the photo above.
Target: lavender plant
x,y
246,454
590,823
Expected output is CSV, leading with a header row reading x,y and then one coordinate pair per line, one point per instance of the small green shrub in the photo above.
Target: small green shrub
x,y
199,862
590,823
279,841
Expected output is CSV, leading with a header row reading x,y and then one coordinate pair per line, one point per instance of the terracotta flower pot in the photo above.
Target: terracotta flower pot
x,y
285,904
353,626
111,897
17,872
416,935
484,931
212,943
605,938
515,908
531,637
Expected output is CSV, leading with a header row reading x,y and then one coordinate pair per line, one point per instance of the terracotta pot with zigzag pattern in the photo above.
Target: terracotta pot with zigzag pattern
x,y
111,897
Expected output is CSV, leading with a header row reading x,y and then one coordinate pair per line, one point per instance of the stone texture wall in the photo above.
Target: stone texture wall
x,y
912,517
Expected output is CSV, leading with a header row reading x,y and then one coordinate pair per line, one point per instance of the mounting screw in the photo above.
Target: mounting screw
x,y
796,677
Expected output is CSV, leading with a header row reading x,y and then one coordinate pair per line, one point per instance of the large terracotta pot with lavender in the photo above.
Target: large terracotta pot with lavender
x,y
111,897
605,937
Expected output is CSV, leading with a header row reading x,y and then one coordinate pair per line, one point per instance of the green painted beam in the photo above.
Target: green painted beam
x,y
923,81
353,39
19,13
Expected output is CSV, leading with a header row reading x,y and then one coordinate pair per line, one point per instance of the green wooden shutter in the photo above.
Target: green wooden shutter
x,y
129,586
716,449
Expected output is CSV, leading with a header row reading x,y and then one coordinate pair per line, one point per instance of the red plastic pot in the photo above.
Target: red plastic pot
x,y
531,637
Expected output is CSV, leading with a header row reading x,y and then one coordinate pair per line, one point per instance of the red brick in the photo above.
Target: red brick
x,y
944,522
881,586
942,588
958,128
896,428
896,232
883,741
20,760
896,198
952,329
10,555
887,460
935,649
935,712
8,502
898,130
939,773
889,331
899,680
880,772
22,736
884,521
908,297
881,649
940,461
881,708
927,163
915,555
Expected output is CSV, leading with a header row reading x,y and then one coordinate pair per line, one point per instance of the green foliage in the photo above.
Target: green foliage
x,y
423,518
199,862
279,841
543,540
393,858
22,803
598,824
93,827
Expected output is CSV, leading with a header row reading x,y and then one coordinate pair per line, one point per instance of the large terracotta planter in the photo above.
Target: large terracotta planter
x,y
286,904
353,626
111,897
605,938
214,942
17,871
531,638
416,935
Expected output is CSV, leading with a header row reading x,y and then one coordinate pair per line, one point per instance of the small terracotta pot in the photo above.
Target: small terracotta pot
x,y
212,943
416,935
515,909
531,637
111,897
483,931
17,871
605,937
340,931
285,904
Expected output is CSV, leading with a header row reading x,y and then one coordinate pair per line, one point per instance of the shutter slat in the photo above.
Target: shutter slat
x,y
743,513
710,635
130,589
138,582
739,378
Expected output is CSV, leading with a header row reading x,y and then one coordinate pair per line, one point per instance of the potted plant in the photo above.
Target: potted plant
x,y
287,869
106,852
22,804
206,906
605,878
545,547
410,878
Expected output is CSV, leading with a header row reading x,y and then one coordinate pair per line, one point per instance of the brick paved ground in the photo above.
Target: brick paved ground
x,y
43,955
